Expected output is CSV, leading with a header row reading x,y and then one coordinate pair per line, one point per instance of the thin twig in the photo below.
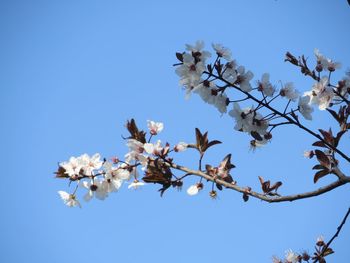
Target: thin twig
x,y
334,236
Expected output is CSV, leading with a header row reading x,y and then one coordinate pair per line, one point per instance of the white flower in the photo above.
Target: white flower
x,y
135,184
247,120
155,127
289,92
321,94
291,257
308,154
190,73
90,163
180,147
221,103
112,182
194,189
72,167
151,148
243,118
265,86
243,79
204,90
197,51
326,63
95,188
69,199
135,154
230,73
222,51
122,172
304,107
135,145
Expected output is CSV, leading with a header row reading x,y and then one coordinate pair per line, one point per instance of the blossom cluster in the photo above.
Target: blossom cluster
x,y
101,177
211,82
322,250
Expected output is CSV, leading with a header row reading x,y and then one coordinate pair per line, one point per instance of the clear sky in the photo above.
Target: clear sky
x,y
72,73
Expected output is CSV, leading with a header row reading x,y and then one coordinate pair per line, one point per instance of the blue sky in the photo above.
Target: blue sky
x,y
73,72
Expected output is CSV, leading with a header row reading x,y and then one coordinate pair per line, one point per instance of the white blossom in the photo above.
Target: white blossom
x,y
151,148
155,127
221,103
230,73
112,182
190,73
90,163
247,120
197,50
69,199
265,86
308,154
95,188
180,147
72,167
222,51
193,189
291,257
304,107
321,94
244,78
289,91
326,63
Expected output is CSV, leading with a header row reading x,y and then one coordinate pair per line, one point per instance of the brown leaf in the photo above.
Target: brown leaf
x,y
328,136
134,131
328,251
319,144
322,158
320,174
228,179
318,167
61,173
334,115
211,144
339,135
198,138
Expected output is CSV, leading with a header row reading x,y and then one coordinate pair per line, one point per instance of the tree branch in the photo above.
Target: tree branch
x,y
291,120
263,197
334,236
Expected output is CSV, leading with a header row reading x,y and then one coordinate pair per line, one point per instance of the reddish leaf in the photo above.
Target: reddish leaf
x,y
328,137
322,158
318,167
339,135
320,174
319,144
334,114
228,179
211,144
198,138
